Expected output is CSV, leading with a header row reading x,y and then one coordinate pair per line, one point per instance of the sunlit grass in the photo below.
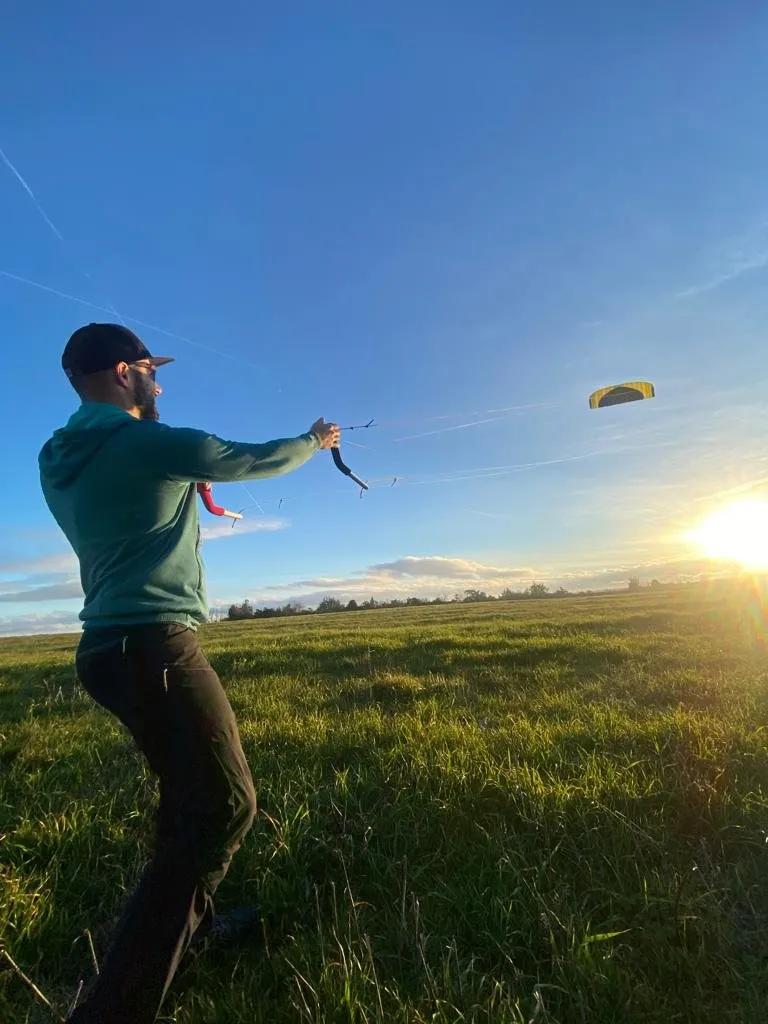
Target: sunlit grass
x,y
457,804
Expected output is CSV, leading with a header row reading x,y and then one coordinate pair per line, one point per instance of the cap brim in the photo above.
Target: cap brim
x,y
161,360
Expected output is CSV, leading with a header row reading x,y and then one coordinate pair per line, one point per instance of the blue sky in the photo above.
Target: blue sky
x,y
422,213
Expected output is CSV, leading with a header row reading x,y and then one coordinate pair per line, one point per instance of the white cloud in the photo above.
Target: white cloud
x,y
415,567
409,576
679,569
55,577
47,592
440,576
66,562
47,578
242,526
736,269
743,253
34,623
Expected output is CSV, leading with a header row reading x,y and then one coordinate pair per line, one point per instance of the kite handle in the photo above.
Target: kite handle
x,y
206,493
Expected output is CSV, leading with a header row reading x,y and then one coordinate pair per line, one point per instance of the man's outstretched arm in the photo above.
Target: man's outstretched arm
x,y
183,453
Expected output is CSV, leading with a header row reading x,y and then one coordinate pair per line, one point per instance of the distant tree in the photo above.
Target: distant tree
x,y
537,590
241,611
267,613
352,605
474,595
634,584
508,595
561,592
330,604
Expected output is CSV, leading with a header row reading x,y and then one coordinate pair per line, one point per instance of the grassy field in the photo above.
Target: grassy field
x,y
460,807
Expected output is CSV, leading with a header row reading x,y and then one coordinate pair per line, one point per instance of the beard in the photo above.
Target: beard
x,y
144,396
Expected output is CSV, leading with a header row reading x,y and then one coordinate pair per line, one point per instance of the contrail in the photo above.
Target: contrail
x,y
529,407
488,515
53,291
444,430
482,473
22,181
132,319
17,175
488,472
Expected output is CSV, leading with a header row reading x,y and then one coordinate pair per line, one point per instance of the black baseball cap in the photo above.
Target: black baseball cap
x,y
98,347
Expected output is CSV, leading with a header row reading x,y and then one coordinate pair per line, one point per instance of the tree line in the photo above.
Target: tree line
x,y
536,591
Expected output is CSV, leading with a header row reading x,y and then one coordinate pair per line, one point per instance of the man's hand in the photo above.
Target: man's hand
x,y
328,434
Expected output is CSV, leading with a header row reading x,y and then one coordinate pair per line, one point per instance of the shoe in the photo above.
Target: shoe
x,y
239,925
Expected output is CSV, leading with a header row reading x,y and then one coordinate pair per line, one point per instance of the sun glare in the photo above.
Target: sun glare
x,y
736,533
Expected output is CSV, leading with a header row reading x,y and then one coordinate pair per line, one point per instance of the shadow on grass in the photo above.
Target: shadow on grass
x,y
485,660
514,881
358,840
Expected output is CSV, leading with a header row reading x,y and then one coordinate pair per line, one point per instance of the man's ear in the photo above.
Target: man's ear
x,y
121,374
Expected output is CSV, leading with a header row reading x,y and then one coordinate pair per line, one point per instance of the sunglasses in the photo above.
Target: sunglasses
x,y
148,367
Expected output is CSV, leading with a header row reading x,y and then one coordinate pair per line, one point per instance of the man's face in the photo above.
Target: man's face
x,y
144,390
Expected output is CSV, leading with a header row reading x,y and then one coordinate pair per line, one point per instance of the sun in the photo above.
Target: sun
x,y
736,533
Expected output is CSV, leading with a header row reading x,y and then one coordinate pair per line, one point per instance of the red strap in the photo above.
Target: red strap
x,y
206,493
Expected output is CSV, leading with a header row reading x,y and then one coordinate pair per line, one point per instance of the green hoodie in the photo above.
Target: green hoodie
x,y
123,492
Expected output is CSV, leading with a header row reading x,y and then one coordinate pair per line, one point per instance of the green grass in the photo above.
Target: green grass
x,y
457,804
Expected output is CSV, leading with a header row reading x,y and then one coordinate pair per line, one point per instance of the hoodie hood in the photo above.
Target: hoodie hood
x,y
71,448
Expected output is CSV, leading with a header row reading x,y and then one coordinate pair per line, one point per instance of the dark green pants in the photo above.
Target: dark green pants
x,y
157,681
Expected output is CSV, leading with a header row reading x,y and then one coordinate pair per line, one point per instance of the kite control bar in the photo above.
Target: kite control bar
x,y
206,493
345,469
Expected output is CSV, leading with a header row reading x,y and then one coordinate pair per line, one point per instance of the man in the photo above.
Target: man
x,y
122,487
